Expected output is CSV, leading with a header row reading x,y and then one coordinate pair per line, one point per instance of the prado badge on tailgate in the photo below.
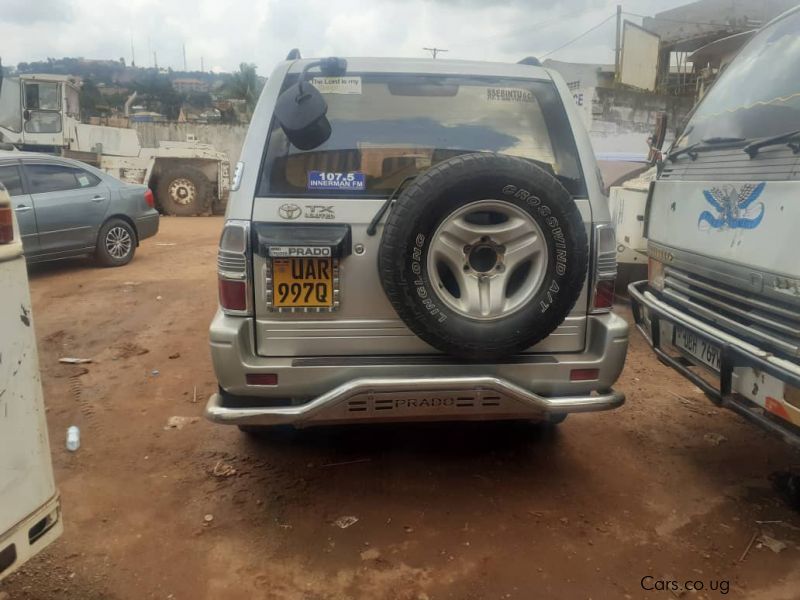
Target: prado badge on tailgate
x,y
354,181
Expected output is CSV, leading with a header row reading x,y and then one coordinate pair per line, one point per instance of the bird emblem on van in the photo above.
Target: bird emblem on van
x,y
734,208
289,211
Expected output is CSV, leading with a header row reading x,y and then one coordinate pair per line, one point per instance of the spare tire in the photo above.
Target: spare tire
x,y
483,255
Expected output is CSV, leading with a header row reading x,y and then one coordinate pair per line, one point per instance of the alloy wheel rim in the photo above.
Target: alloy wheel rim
x,y
118,242
487,259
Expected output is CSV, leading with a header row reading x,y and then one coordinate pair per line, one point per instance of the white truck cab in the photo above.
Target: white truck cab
x,y
30,512
722,300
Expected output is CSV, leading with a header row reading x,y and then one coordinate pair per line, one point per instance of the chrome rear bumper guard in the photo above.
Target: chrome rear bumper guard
x,y
426,399
734,352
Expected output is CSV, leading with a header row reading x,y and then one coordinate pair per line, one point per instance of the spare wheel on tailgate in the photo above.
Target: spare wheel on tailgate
x,y
483,255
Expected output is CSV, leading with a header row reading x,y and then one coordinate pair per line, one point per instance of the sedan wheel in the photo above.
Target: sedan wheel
x,y
119,242
116,243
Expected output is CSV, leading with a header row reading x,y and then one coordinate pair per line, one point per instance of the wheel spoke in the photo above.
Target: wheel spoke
x,y
522,249
483,295
463,231
446,247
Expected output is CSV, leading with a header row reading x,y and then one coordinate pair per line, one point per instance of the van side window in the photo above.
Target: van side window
x,y
11,179
10,110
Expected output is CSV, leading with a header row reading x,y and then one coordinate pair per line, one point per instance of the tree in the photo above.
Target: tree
x,y
245,85
90,98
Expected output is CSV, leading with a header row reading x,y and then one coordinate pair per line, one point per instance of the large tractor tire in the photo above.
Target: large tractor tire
x,y
184,191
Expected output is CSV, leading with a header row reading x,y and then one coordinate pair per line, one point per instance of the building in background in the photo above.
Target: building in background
x,y
685,30
190,85
664,66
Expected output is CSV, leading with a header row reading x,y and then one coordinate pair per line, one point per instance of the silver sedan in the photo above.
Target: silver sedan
x,y
67,208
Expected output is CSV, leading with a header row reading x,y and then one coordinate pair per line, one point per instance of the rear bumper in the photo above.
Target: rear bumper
x,y
147,225
736,354
375,400
336,389
31,535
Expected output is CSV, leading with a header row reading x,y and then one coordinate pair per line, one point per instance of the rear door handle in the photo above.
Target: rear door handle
x,y
23,208
98,198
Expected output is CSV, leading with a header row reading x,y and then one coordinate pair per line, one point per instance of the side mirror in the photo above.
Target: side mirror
x,y
657,140
301,111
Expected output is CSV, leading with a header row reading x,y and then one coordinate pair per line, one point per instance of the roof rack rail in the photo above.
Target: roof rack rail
x,y
294,54
531,61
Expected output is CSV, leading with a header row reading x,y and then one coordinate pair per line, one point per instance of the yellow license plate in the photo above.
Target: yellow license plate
x,y
302,282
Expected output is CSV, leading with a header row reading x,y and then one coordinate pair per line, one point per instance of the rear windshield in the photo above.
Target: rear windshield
x,y
386,128
758,95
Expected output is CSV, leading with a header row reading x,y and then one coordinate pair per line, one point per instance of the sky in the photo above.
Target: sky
x,y
227,32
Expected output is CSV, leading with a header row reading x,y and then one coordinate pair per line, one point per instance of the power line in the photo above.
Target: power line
x,y
585,33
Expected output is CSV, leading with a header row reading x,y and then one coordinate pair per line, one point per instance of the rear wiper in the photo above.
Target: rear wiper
x,y
785,138
373,225
703,144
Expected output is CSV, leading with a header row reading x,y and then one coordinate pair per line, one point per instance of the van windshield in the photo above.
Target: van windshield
x,y
386,128
758,95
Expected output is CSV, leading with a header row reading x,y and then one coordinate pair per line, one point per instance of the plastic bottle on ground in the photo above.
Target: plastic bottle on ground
x,y
73,438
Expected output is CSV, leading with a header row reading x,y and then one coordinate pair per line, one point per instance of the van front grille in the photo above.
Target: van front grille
x,y
765,322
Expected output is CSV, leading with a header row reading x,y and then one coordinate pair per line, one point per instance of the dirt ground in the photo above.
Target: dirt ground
x,y
667,488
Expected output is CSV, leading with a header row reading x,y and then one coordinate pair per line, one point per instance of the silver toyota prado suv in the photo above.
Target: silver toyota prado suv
x,y
415,240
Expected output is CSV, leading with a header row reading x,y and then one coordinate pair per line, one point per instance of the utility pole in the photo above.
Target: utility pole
x,y
155,60
184,58
435,51
618,46
133,54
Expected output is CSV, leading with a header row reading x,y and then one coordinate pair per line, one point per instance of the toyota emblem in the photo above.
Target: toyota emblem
x,y
289,211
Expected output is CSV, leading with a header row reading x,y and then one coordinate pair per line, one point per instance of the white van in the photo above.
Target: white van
x,y
722,300
30,512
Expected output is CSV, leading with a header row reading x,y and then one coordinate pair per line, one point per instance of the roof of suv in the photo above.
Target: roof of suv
x,y
435,67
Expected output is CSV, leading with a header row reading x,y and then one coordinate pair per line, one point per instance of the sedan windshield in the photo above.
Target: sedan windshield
x,y
386,128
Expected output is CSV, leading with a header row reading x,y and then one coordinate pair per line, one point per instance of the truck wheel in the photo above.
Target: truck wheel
x,y
116,243
183,191
484,255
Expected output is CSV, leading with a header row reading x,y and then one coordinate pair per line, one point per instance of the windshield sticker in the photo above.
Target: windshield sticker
x,y
733,208
509,95
337,85
354,181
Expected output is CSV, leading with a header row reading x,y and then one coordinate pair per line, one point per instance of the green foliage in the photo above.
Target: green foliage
x,y
245,85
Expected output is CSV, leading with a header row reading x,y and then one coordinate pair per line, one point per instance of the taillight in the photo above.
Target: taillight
x,y
233,269
232,294
149,198
605,268
604,294
6,225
